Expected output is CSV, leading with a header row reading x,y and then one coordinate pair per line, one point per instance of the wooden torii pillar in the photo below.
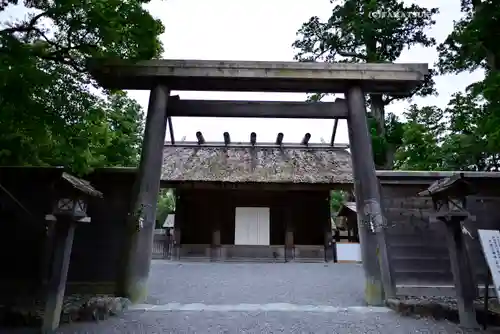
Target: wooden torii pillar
x,y
371,222
353,80
142,217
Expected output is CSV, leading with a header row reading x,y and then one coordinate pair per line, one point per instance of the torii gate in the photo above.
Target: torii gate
x,y
353,80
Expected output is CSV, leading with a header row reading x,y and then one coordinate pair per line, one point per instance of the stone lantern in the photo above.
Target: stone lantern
x,y
69,209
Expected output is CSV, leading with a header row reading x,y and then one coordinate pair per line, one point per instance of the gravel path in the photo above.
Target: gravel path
x,y
272,322
258,298
256,283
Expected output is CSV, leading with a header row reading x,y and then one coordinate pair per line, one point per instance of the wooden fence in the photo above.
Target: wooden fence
x,y
161,247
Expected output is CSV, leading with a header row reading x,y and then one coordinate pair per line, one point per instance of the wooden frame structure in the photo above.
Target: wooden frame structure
x,y
449,197
353,80
256,109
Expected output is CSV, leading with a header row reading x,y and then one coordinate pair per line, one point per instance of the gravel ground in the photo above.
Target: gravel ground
x,y
256,283
228,284
272,322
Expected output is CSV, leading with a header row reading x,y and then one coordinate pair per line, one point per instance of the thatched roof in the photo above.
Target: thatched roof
x,y
257,164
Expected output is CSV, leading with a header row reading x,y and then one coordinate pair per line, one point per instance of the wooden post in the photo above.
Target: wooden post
x,y
464,283
289,242
328,246
179,216
64,230
142,218
449,196
48,251
377,270
328,232
216,242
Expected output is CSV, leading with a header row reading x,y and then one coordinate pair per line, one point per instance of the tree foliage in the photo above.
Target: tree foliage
x,y
466,135
52,112
337,198
372,31
421,140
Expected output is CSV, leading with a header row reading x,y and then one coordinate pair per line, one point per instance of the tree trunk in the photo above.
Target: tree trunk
x,y
377,108
492,60
390,152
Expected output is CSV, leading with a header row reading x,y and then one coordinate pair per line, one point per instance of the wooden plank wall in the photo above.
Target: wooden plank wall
x,y
418,250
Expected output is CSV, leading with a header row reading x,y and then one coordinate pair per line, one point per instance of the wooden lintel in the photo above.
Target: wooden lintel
x,y
257,76
200,138
262,109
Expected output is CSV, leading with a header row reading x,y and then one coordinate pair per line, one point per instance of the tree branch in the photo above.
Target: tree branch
x,y
352,54
25,27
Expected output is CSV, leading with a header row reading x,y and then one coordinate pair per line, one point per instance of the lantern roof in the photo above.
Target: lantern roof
x,y
81,185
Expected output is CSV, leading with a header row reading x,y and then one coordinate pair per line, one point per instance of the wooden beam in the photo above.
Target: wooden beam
x,y
227,138
306,138
257,76
263,109
334,132
253,138
318,146
200,138
279,139
255,185
171,129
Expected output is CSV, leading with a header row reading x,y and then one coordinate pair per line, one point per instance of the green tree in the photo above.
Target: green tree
x,y
371,31
473,43
52,112
423,134
337,198
474,140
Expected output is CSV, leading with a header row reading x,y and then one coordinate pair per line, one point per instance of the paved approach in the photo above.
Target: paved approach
x,y
258,298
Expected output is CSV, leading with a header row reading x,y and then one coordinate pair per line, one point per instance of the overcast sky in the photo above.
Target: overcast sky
x,y
265,30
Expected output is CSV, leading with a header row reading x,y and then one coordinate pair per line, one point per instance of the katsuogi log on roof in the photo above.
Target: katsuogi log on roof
x,y
256,164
